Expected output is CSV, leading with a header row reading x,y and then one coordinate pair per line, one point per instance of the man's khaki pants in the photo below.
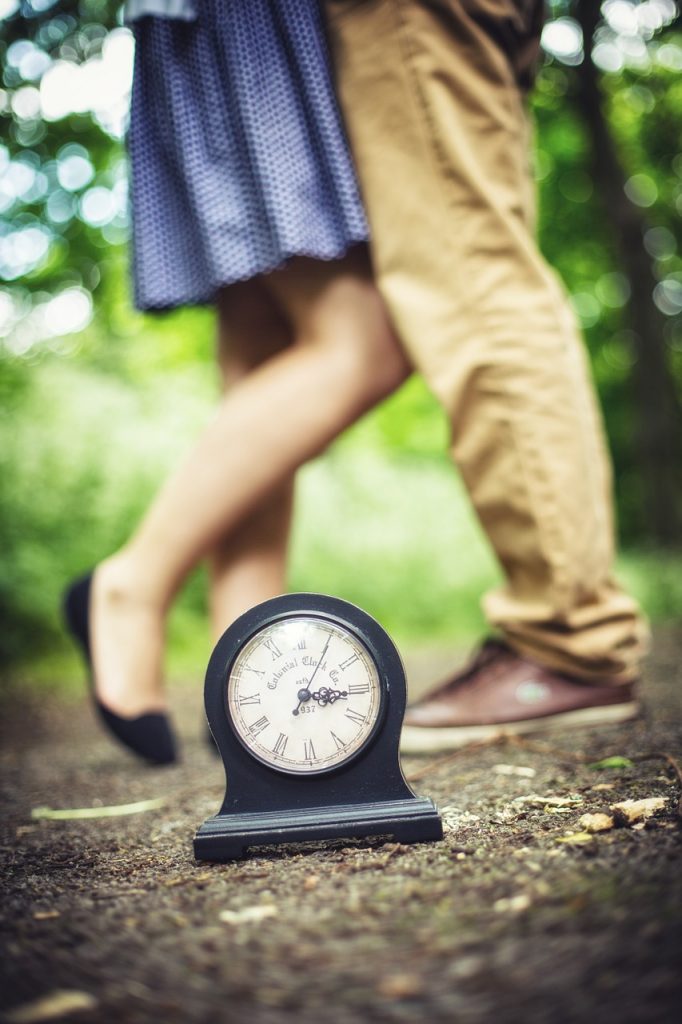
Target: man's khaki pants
x,y
432,92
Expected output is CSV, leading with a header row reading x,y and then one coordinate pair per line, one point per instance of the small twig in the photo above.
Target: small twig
x,y
118,894
114,811
543,748
440,762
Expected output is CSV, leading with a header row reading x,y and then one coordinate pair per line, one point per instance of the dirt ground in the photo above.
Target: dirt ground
x,y
517,915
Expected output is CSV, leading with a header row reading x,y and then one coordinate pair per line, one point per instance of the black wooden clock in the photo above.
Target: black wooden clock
x,y
305,696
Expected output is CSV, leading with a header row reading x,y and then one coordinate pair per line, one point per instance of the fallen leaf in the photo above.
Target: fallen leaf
x,y
45,915
455,817
514,769
249,915
400,986
576,839
628,812
570,799
54,1004
114,811
597,822
611,762
512,904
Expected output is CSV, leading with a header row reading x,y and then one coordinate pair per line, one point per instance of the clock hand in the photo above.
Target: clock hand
x,y
304,694
325,696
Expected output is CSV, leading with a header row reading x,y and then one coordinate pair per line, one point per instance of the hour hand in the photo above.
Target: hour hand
x,y
325,695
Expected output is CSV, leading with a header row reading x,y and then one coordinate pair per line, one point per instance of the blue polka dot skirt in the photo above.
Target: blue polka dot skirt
x,y
237,154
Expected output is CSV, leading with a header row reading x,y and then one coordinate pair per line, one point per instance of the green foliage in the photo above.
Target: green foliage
x,y
611,762
78,467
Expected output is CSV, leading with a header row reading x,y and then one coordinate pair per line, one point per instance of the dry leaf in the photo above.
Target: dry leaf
x,y
249,915
628,812
400,986
571,799
597,822
455,817
50,1007
512,904
576,839
45,915
514,769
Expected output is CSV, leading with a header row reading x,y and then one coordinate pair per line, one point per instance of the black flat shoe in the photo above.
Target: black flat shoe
x,y
149,736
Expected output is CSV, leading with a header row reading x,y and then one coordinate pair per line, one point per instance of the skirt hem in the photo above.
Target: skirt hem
x,y
209,299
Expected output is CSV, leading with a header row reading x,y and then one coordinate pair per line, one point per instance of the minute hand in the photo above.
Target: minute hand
x,y
306,689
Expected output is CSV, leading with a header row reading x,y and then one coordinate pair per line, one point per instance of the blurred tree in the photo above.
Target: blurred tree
x,y
657,405
608,106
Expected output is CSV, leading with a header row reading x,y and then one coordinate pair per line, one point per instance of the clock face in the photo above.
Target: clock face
x,y
303,694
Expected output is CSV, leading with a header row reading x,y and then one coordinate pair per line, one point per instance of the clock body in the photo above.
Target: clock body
x,y
305,696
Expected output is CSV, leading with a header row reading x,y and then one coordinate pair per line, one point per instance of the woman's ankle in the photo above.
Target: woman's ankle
x,y
122,579
127,634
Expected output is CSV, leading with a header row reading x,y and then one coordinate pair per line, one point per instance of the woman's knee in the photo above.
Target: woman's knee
x,y
349,322
369,345
251,329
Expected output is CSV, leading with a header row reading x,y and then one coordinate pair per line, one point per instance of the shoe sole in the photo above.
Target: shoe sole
x,y
416,739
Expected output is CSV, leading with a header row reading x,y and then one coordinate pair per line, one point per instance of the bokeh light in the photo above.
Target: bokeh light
x,y
74,169
100,85
668,295
563,38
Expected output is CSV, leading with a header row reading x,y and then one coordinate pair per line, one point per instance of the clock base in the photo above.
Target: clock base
x,y
228,836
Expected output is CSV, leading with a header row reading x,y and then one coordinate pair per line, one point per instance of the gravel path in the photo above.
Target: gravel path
x,y
517,915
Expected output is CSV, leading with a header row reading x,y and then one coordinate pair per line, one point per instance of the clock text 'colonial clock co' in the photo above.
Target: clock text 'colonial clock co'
x,y
305,696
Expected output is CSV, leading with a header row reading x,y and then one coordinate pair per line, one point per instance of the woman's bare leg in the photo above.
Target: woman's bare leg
x,y
345,358
248,565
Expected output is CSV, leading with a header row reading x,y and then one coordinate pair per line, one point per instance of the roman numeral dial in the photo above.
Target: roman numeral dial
x,y
304,695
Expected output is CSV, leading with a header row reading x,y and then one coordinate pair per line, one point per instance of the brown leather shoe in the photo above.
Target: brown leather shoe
x,y
501,692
